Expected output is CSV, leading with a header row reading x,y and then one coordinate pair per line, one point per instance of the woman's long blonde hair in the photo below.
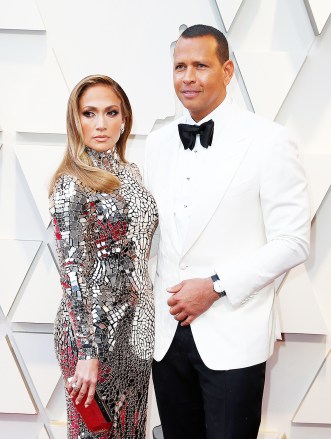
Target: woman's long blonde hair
x,y
76,161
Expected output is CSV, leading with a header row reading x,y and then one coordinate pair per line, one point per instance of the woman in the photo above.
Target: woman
x,y
103,220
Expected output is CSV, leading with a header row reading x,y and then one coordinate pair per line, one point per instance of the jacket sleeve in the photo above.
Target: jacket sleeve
x,y
286,215
70,218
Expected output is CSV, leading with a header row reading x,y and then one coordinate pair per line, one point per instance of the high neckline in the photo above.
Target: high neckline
x,y
103,159
101,154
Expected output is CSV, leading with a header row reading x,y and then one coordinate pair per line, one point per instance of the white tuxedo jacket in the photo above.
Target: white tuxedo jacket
x,y
250,224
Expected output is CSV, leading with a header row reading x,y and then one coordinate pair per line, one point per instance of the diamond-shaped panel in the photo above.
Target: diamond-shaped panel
x,y
270,40
59,430
38,182
43,434
14,395
18,255
30,68
56,406
42,294
319,11
149,46
315,407
38,354
299,309
20,14
228,11
268,74
317,168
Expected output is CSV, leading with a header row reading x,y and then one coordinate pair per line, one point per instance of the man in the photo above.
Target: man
x,y
233,215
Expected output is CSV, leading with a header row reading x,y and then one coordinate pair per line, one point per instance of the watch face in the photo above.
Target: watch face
x,y
218,286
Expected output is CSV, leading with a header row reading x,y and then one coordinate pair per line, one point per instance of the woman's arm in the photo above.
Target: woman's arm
x,y
70,212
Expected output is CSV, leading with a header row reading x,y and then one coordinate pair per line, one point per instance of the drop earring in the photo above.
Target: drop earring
x,y
122,128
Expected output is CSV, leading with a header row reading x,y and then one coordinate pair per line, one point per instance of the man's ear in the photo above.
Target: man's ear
x,y
228,68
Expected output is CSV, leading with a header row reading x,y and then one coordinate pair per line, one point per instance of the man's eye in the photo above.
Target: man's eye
x,y
179,67
201,66
88,114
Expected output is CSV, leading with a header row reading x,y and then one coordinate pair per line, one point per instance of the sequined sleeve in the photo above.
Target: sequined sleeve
x,y
70,218
136,172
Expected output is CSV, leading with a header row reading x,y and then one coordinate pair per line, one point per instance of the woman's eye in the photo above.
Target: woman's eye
x,y
113,113
88,114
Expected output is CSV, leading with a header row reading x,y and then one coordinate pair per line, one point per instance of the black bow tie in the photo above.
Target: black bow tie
x,y
188,134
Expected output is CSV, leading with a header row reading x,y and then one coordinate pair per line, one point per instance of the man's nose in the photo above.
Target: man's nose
x,y
189,75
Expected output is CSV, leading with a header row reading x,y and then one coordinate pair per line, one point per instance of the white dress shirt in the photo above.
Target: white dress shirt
x,y
187,176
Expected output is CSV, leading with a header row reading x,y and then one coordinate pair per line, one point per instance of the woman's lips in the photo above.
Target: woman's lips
x,y
101,138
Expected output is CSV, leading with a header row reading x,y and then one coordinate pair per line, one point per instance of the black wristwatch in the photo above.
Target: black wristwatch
x,y
217,285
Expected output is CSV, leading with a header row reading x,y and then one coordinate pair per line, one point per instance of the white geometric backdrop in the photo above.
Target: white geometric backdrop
x,y
281,50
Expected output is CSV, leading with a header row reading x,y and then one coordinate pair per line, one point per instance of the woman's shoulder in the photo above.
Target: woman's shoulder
x,y
69,187
135,170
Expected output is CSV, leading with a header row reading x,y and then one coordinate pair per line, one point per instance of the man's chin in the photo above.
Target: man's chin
x,y
190,105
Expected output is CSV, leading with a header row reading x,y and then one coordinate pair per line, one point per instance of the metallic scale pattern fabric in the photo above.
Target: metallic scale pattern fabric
x,y
107,312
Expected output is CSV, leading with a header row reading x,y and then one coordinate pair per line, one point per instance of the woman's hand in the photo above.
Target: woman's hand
x,y
84,380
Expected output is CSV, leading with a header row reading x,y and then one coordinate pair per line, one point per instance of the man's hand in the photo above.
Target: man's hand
x,y
191,298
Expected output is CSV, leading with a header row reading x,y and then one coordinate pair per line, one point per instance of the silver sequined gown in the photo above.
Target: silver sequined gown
x,y
103,243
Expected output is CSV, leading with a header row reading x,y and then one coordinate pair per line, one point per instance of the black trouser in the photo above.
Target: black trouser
x,y
196,402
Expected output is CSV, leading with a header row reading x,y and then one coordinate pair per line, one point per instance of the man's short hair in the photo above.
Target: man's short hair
x,y
202,30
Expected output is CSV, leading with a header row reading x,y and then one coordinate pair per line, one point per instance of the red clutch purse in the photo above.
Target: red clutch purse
x,y
96,417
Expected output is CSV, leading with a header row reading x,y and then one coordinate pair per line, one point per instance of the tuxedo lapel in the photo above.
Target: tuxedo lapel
x,y
219,169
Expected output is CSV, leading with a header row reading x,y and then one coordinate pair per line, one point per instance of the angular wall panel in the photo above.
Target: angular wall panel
x,y
315,407
21,15
38,182
14,395
24,428
42,294
228,11
135,151
15,260
43,434
299,309
307,109
43,109
140,61
317,168
233,90
38,354
268,74
59,430
289,373
56,407
30,69
272,26
319,11
270,40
